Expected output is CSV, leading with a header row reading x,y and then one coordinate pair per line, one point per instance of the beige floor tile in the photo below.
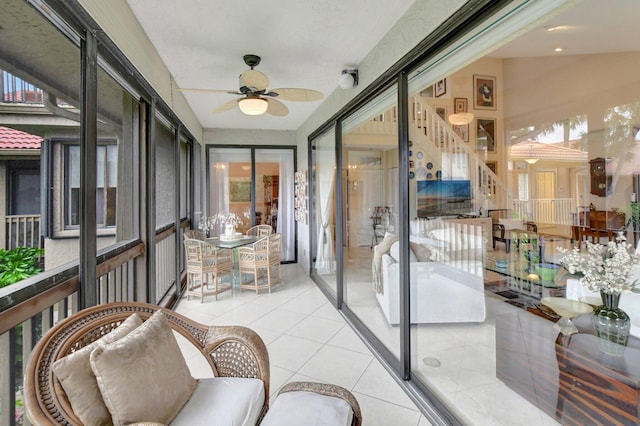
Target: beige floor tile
x,y
291,352
317,329
336,365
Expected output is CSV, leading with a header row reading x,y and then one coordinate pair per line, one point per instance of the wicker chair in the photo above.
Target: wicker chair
x,y
254,260
275,241
260,231
206,265
232,351
195,234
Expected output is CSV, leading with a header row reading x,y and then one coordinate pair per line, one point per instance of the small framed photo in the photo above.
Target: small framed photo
x,y
440,88
485,134
441,111
462,130
493,166
484,89
460,105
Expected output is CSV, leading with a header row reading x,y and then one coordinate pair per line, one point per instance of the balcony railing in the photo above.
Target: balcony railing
x,y
22,231
557,211
31,307
16,90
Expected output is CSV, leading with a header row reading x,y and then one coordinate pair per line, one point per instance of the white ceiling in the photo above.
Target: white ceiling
x,y
588,27
303,44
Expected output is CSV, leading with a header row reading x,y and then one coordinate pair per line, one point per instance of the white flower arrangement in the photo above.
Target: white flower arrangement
x,y
603,268
226,218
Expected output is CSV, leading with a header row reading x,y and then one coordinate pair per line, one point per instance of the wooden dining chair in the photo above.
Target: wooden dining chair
x,y
206,265
254,260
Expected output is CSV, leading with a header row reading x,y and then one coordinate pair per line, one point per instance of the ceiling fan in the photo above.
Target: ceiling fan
x,y
257,99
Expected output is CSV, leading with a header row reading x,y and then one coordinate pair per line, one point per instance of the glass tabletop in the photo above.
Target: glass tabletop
x,y
245,240
528,277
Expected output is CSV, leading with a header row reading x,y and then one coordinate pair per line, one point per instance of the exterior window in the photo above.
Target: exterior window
x,y
106,186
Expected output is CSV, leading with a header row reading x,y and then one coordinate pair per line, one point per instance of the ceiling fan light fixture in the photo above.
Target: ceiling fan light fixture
x,y
460,118
532,156
253,106
348,79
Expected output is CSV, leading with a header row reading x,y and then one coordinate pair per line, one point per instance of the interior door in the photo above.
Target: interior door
x,y
545,194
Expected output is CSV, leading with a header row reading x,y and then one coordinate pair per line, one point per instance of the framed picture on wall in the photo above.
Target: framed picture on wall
x,y
239,191
493,166
460,105
484,89
441,111
485,134
462,130
440,88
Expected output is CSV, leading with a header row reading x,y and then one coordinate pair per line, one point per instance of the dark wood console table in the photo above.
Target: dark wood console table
x,y
568,377
597,224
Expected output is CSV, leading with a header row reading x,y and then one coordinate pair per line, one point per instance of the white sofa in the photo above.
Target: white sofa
x,y
439,293
446,277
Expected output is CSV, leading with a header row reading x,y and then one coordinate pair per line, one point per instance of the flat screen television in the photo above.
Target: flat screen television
x,y
443,197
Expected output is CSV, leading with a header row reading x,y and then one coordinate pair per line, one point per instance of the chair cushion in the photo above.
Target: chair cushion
x,y
223,401
78,381
512,223
143,376
308,408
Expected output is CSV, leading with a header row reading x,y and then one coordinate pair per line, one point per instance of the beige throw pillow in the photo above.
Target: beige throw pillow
x,y
143,377
78,381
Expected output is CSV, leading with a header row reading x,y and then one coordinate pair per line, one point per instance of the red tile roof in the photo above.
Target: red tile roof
x,y
15,139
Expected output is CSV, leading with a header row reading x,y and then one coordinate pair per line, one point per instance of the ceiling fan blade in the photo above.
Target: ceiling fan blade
x,y
277,108
226,106
298,95
254,79
233,92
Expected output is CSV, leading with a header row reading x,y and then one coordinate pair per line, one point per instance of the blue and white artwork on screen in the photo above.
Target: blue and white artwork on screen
x,y
443,197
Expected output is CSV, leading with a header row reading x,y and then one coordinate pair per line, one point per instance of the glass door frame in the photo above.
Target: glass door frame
x,y
461,23
252,149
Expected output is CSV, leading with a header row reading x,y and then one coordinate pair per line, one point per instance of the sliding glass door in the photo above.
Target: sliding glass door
x,y
323,182
371,248
230,186
274,195
257,186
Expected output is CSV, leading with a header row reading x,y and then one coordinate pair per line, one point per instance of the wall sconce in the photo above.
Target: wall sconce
x,y
348,79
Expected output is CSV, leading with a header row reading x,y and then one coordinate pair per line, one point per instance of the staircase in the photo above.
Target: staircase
x,y
455,158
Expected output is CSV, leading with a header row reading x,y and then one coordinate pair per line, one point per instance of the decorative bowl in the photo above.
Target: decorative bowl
x,y
502,263
567,309
547,271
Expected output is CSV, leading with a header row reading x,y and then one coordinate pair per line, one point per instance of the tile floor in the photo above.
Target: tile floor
x,y
307,340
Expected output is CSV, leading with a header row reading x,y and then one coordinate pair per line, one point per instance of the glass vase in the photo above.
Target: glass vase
x,y
611,324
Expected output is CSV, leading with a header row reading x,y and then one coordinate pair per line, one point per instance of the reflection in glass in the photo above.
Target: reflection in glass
x,y
230,185
369,217
323,180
